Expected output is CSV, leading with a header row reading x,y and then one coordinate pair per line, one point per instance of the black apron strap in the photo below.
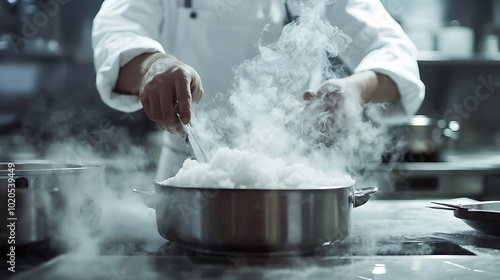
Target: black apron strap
x,y
188,3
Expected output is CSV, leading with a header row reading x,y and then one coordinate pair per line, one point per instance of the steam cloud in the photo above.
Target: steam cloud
x,y
61,137
267,115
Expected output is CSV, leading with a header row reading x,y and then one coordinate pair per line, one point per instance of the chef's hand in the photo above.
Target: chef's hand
x,y
367,86
329,95
325,115
166,86
331,106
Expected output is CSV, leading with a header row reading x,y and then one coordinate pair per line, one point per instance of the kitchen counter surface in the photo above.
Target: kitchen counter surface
x,y
140,252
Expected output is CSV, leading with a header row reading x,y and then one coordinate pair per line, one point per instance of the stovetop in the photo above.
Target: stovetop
x,y
425,246
29,256
128,259
389,240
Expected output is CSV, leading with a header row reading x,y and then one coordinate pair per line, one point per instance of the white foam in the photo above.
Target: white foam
x,y
230,168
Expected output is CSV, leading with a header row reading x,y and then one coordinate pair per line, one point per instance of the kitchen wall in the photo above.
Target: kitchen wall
x,y
52,70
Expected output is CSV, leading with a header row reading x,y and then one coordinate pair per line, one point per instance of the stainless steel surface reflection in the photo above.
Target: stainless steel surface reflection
x,y
233,221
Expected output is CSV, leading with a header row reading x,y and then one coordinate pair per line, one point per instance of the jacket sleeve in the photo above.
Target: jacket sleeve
x,y
380,44
122,30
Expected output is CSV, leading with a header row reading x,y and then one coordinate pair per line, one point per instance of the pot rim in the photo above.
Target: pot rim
x,y
287,189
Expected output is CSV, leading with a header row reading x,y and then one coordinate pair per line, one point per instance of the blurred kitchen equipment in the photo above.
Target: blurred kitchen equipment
x,y
49,196
489,44
496,12
481,216
193,142
436,179
267,221
456,40
31,27
426,137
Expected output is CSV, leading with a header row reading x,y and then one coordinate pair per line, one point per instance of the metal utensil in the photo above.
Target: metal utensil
x,y
456,207
452,206
441,208
482,216
193,143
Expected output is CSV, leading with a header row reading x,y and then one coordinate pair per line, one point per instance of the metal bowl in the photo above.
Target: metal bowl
x,y
484,218
269,221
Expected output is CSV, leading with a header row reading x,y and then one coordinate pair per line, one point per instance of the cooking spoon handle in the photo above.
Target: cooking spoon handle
x,y
454,206
442,208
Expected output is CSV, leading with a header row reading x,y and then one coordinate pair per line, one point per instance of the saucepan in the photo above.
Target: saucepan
x,y
268,221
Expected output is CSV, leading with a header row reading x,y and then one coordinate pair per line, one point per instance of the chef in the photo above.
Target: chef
x,y
162,56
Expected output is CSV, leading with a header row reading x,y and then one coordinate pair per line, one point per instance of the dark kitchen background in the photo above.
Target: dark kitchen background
x,y
47,78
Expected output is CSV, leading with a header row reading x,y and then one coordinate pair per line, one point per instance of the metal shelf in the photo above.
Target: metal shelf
x,y
9,55
436,57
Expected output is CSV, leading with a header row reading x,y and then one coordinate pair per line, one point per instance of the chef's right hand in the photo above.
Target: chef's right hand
x,y
168,87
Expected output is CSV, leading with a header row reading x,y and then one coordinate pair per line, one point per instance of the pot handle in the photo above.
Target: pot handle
x,y
361,196
147,196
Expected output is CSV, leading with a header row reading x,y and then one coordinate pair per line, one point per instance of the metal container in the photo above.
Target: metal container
x,y
270,221
427,135
47,198
485,219
424,138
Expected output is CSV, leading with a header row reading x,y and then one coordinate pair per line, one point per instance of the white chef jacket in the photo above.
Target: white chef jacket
x,y
213,36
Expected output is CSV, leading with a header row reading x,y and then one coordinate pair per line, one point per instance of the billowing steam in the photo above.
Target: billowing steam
x,y
267,115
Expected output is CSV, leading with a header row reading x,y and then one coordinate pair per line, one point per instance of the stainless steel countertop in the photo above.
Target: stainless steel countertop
x,y
374,221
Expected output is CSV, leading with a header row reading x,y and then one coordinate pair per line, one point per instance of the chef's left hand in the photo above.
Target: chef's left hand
x,y
364,87
327,109
330,94
337,102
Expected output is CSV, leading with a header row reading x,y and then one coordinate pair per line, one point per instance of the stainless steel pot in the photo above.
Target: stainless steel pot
x,y
47,196
255,220
424,139
427,135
